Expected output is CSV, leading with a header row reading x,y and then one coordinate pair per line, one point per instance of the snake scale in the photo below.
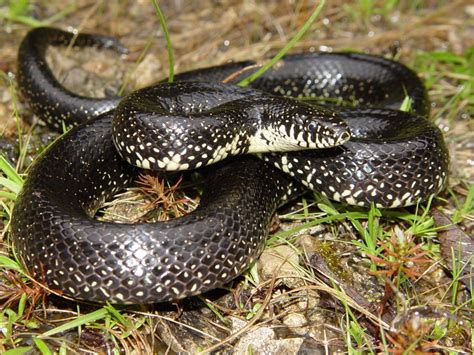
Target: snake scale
x,y
392,159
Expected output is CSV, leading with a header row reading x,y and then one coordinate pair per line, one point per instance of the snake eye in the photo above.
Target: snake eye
x,y
312,126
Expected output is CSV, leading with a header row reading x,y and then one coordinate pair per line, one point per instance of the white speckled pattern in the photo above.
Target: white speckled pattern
x,y
187,125
392,159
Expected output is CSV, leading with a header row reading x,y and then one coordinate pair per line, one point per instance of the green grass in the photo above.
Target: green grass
x,y
357,339
169,46
12,181
19,11
362,11
291,43
439,67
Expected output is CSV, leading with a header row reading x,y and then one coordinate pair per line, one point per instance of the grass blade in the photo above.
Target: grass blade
x,y
9,263
79,321
18,351
286,48
41,345
164,26
10,171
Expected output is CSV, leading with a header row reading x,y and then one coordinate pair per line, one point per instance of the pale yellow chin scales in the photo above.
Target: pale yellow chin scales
x,y
265,141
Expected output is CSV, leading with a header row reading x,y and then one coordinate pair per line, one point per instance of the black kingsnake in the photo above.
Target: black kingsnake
x,y
393,159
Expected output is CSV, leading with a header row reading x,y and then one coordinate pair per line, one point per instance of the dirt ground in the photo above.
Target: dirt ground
x,y
322,299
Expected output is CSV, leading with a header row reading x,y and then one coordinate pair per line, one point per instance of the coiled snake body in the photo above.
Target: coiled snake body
x,y
392,159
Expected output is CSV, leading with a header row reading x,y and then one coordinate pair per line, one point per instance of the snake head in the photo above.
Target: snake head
x,y
298,126
323,128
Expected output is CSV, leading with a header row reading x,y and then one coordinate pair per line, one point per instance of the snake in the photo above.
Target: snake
x,y
329,122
